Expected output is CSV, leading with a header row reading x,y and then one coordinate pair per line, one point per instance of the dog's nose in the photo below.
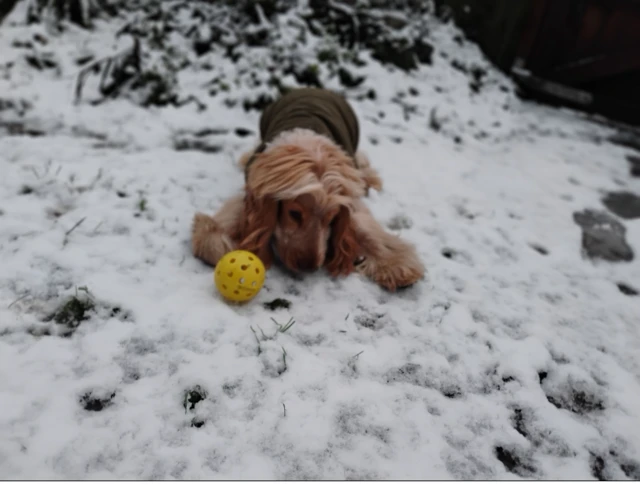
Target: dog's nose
x,y
307,264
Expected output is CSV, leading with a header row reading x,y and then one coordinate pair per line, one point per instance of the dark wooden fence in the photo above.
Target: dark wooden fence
x,y
585,53
6,6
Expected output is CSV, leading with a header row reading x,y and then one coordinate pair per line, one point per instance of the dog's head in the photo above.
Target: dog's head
x,y
299,196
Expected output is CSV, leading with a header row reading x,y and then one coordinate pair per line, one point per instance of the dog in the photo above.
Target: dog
x,y
302,203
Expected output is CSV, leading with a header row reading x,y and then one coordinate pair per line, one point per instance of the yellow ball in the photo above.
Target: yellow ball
x,y
239,275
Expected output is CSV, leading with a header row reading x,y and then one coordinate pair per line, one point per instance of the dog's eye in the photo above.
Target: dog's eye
x,y
296,216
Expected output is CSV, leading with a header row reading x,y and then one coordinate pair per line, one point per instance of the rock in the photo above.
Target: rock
x,y
623,204
209,131
328,55
17,128
626,289
202,140
423,51
397,52
259,103
399,222
603,236
276,304
257,37
197,423
243,132
477,76
348,80
91,402
40,38
629,139
395,20
308,75
202,46
634,161
183,144
514,461
84,59
435,123
541,249
192,397
22,44
18,106
459,66
598,466
155,88
42,60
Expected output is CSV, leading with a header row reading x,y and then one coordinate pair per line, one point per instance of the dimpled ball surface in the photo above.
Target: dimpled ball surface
x,y
239,275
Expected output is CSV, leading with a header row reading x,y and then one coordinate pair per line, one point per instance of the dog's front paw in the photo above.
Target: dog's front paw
x,y
201,227
393,275
203,223
208,242
393,279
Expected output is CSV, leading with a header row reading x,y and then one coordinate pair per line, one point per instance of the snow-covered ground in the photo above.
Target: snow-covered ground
x,y
516,357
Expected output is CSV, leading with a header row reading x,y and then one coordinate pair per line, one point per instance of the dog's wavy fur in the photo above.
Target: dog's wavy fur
x,y
302,204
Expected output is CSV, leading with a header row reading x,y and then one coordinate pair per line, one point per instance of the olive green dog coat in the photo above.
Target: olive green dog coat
x,y
319,110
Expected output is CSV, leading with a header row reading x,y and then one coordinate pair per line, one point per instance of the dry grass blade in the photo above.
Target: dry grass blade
x,y
257,340
18,300
284,359
74,226
286,326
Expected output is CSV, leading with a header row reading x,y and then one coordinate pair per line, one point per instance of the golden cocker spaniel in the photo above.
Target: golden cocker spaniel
x,y
302,203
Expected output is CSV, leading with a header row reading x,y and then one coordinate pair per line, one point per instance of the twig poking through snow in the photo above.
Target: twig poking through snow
x,y
263,22
86,291
35,172
350,13
96,179
257,340
74,226
264,334
66,234
446,309
284,359
114,65
19,299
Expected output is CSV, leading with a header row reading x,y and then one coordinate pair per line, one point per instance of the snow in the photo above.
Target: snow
x,y
434,382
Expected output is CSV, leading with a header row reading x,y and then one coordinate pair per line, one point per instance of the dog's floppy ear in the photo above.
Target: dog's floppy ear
x,y
259,223
343,248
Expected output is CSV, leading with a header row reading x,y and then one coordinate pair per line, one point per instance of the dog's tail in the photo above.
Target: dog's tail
x,y
369,174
